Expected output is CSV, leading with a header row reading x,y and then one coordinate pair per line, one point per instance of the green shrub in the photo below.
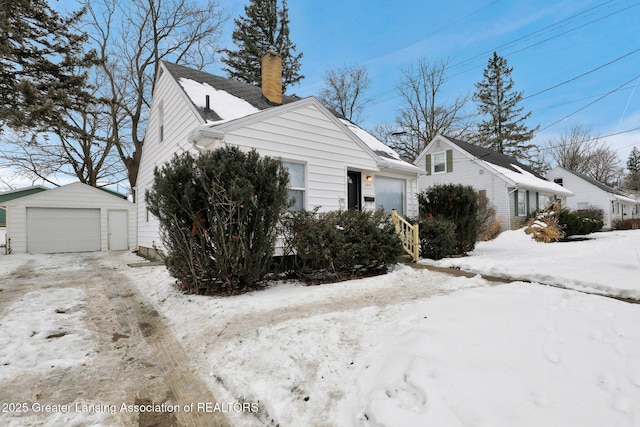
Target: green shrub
x,y
437,237
341,245
458,204
579,223
218,215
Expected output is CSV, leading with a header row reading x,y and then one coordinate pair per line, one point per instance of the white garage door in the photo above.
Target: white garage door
x,y
51,230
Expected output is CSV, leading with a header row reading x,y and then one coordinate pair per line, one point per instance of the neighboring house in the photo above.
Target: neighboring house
x,y
590,193
73,218
513,188
5,196
333,164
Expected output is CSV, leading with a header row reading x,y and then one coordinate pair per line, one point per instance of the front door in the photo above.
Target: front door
x,y
354,190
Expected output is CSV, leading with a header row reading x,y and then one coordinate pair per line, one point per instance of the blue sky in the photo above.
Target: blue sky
x,y
546,42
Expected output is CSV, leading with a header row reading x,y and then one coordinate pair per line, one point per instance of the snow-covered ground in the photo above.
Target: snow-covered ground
x,y
607,263
413,347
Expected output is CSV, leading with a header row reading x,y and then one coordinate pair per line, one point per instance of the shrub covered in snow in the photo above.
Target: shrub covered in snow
x,y
556,223
457,203
578,223
341,245
218,215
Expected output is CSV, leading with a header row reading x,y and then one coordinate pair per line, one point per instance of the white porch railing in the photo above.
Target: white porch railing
x,y
408,234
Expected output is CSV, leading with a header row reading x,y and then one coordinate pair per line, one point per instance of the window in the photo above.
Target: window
x,y
161,123
583,206
558,181
521,203
390,193
297,184
544,201
439,162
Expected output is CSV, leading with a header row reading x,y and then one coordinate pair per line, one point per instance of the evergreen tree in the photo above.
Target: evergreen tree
x,y
632,180
40,59
218,215
264,28
504,129
633,163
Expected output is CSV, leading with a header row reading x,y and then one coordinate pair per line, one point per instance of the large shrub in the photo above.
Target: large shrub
x,y
340,245
578,223
218,215
437,237
458,204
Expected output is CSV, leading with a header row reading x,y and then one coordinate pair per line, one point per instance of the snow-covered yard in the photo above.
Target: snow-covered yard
x,y
414,347
606,263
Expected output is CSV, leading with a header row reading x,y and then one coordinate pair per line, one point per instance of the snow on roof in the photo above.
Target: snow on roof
x,y
384,152
528,180
227,106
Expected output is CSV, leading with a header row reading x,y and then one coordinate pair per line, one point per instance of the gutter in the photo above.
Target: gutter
x,y
204,137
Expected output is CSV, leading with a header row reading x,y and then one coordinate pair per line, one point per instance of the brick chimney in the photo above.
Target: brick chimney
x,y
272,77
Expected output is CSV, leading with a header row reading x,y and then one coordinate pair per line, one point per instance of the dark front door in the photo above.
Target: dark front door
x,y
354,190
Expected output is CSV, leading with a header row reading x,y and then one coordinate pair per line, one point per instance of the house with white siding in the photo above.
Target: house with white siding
x,y
592,194
333,163
513,188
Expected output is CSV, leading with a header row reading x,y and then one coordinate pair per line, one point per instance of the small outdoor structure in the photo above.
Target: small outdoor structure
x,y
72,218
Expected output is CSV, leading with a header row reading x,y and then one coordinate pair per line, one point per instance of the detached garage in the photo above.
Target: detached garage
x,y
72,218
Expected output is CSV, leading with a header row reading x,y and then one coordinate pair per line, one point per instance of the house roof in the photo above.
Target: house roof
x,y
231,100
511,170
55,192
599,184
198,84
20,192
494,157
5,196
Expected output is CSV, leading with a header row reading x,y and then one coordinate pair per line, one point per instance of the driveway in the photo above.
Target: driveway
x,y
132,358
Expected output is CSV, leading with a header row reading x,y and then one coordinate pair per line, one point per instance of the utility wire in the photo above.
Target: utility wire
x,y
554,37
583,74
526,36
590,104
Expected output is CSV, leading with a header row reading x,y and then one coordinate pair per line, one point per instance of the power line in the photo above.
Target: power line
x,y
526,36
591,103
373,98
583,74
554,37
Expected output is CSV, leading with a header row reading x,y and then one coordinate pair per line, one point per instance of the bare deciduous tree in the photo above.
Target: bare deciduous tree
x,y
75,149
132,38
344,90
424,115
578,150
74,145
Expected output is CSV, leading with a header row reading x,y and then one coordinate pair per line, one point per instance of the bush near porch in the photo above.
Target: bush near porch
x,y
455,203
341,245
